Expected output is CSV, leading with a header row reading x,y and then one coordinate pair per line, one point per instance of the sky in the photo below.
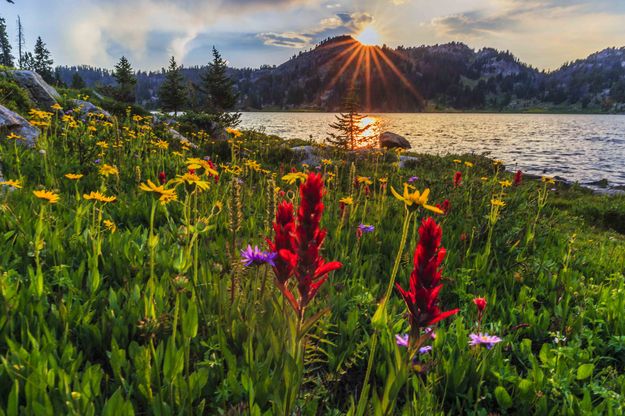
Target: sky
x,y
250,33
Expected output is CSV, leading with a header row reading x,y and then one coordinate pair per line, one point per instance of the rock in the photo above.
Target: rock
x,y
182,139
391,140
602,183
42,94
85,107
14,123
219,133
408,162
307,155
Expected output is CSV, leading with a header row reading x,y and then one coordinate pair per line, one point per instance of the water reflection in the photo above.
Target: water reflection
x,y
585,148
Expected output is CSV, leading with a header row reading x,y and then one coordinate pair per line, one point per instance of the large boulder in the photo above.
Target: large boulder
x,y
11,122
85,107
391,140
42,94
176,135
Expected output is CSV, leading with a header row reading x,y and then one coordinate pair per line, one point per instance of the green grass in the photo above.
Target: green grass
x,y
145,319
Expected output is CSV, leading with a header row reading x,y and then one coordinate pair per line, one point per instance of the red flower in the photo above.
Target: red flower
x,y
518,178
457,179
162,178
422,297
444,207
283,228
300,249
480,303
213,167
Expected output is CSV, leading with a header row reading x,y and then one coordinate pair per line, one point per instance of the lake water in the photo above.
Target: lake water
x,y
583,148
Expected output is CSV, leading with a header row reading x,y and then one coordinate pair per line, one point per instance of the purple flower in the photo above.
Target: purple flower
x,y
413,179
484,339
402,340
425,350
97,161
430,331
256,257
364,228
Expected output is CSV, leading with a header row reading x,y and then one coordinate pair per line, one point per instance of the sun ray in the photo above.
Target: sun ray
x,y
368,79
343,68
398,73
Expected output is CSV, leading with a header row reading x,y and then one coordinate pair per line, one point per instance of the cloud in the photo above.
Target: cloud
x,y
473,23
355,21
286,39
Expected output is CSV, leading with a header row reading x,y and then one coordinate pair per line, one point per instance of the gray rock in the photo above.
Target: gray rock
x,y
182,139
408,161
307,155
42,94
14,123
85,107
391,140
219,133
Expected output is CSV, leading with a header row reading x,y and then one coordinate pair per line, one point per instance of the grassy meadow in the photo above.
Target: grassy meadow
x,y
123,290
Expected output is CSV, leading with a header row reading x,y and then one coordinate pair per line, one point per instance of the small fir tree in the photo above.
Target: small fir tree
x,y
78,83
348,126
6,58
126,81
172,94
219,93
42,62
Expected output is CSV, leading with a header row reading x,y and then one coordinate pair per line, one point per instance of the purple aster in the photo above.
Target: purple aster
x,y
430,331
413,179
97,161
364,228
484,339
425,350
256,257
402,340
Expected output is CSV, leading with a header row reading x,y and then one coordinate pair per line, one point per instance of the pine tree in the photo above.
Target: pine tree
x,y
20,43
172,94
126,81
77,82
348,126
42,63
6,58
219,93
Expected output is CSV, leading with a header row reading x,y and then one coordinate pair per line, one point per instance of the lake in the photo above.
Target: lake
x,y
583,148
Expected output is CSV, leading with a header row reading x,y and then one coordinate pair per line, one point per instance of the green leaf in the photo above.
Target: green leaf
x,y
190,321
503,398
584,371
12,406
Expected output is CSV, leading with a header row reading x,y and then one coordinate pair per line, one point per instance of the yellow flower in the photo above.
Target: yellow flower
x,y
191,179
497,202
293,177
14,136
14,184
236,133
137,118
326,162
484,178
57,107
49,196
73,176
110,225
330,176
505,184
548,180
107,170
457,161
196,163
102,144
161,144
233,170
416,198
92,129
497,162
468,164
97,196
164,195
364,179
348,200
252,164
383,180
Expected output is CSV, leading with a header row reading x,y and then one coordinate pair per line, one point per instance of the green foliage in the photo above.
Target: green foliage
x,y
13,96
77,82
126,81
6,57
172,93
41,62
127,307
218,89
